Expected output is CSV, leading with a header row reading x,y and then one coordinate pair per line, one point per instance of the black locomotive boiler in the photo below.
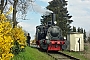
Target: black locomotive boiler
x,y
49,37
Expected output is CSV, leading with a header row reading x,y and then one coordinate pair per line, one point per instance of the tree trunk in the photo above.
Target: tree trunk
x,y
1,6
14,13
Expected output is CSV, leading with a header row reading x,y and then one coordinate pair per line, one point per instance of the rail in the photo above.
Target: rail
x,y
61,56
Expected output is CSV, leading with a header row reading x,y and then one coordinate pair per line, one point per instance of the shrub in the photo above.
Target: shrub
x,y
19,40
5,38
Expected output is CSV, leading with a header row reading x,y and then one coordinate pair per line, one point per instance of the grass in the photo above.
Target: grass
x,y
76,54
32,54
35,54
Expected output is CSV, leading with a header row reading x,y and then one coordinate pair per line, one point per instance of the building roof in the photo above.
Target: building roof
x,y
74,33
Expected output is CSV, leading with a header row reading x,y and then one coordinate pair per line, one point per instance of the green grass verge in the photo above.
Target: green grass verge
x,y
32,54
35,54
76,54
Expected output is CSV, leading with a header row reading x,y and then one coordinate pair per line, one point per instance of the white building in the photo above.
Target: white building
x,y
75,41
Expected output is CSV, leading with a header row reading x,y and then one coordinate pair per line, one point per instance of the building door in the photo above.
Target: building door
x,y
77,43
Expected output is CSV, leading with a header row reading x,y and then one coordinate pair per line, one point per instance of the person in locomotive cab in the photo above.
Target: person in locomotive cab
x,y
28,39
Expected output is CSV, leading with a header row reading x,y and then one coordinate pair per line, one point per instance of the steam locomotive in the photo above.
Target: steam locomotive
x,y
49,36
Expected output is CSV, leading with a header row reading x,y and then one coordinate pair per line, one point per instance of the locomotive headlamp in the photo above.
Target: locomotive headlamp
x,y
38,30
55,22
46,37
65,38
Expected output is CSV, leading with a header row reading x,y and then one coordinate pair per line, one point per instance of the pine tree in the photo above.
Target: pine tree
x,y
62,17
85,35
81,30
74,29
89,38
78,30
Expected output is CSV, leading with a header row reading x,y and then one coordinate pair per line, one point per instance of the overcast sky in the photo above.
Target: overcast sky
x,y
78,9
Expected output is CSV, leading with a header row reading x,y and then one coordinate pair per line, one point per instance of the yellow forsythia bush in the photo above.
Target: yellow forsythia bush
x,y
19,40
18,35
8,37
6,41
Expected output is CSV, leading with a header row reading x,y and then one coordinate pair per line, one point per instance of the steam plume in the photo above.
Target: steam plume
x,y
40,9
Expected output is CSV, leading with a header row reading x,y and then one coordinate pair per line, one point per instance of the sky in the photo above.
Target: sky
x,y
78,9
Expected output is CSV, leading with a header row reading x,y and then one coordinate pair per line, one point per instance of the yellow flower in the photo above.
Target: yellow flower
x,y
8,35
5,38
22,46
10,10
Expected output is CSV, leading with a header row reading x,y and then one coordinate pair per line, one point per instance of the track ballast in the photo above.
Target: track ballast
x,y
61,56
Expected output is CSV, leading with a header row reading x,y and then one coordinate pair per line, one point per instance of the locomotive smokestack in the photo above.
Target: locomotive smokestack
x,y
53,18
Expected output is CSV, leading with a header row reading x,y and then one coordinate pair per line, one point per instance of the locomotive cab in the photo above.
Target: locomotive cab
x,y
40,33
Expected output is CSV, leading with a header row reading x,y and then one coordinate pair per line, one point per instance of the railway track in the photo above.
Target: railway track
x,y
61,56
58,55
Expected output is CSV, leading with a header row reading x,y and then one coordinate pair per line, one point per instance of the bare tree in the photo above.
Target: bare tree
x,y
14,13
19,7
2,5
